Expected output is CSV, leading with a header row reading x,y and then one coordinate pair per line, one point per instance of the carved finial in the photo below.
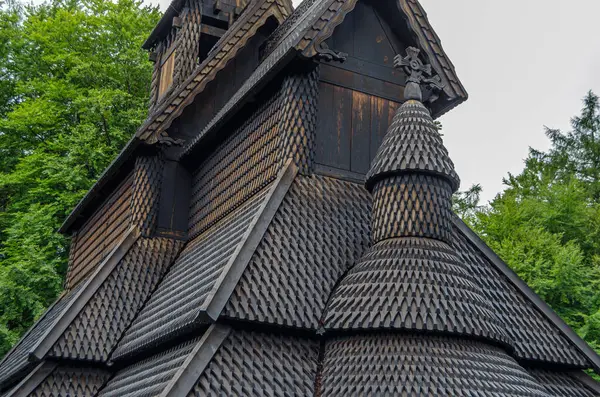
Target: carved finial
x,y
418,73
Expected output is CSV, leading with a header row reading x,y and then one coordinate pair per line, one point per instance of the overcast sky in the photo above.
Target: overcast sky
x,y
525,64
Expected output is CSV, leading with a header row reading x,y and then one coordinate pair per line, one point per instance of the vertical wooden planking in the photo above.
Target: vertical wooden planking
x,y
325,124
361,132
351,126
342,113
334,129
379,123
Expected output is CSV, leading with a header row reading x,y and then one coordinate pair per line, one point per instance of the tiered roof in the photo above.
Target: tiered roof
x,y
289,282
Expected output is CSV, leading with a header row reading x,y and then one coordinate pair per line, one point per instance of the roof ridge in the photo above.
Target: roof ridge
x,y
94,282
197,361
208,307
522,287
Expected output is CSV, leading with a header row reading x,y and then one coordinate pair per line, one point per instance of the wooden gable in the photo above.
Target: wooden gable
x,y
358,97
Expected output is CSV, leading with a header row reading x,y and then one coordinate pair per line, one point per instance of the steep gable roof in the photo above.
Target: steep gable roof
x,y
286,279
228,46
567,384
70,380
42,336
199,283
167,373
88,321
539,333
306,30
16,361
223,361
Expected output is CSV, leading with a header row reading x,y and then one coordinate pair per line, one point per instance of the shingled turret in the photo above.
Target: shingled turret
x,y
411,278
253,261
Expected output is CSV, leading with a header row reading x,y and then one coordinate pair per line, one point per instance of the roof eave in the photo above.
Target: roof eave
x,y
164,25
95,190
580,344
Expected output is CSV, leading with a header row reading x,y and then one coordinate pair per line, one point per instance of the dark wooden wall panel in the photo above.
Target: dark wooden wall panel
x,y
371,47
100,234
361,140
218,92
350,127
358,98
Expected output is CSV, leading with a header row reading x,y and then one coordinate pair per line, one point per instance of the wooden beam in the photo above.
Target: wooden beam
x,y
211,30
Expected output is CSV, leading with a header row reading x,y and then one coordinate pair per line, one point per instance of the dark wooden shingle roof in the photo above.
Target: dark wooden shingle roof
x,y
199,283
294,283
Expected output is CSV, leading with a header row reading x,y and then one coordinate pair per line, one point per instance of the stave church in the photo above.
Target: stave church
x,y
282,225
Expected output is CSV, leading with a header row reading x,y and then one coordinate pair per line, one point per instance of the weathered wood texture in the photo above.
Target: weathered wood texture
x,y
162,49
134,202
174,201
358,98
351,126
237,169
99,326
370,46
217,92
100,234
282,128
167,64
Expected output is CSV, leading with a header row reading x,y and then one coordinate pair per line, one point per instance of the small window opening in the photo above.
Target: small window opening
x,y
207,42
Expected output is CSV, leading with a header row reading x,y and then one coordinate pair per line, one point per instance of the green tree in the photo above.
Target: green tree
x,y
546,223
74,84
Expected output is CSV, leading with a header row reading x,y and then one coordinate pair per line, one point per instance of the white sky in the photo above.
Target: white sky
x,y
525,64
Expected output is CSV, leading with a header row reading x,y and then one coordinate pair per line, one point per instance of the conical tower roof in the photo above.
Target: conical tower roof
x,y
411,279
413,284
412,145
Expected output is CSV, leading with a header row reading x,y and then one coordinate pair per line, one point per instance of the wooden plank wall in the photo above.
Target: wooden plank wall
x,y
351,127
218,92
101,233
358,98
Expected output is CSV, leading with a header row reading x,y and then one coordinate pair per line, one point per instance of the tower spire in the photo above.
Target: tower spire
x,y
411,278
412,177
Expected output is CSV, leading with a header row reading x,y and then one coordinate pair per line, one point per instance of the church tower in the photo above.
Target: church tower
x,y
282,225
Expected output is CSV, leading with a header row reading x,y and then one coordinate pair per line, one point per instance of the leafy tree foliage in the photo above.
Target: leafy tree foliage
x,y
546,224
74,83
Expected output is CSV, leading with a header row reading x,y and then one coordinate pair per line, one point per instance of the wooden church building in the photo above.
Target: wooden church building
x,y
281,225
